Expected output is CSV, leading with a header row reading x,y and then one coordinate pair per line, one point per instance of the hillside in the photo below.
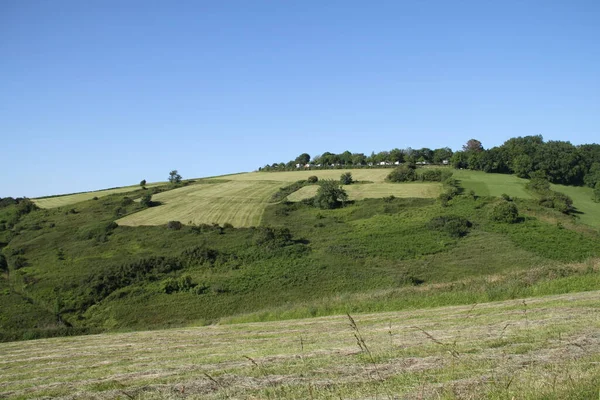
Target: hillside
x,y
544,348
247,256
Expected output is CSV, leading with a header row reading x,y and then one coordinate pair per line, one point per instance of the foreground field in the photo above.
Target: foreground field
x,y
68,199
527,349
239,203
376,191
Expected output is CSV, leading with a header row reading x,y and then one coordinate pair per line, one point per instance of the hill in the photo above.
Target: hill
x,y
73,270
544,348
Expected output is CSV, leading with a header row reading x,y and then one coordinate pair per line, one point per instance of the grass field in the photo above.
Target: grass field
x,y
68,199
545,347
484,184
582,199
240,203
376,190
373,175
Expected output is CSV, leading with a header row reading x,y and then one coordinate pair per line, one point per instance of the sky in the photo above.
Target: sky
x,y
97,94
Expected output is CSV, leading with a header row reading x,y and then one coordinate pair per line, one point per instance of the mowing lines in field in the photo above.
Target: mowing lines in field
x,y
68,199
238,203
373,175
376,190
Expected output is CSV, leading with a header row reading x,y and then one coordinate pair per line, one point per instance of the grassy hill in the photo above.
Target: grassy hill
x,y
73,270
544,348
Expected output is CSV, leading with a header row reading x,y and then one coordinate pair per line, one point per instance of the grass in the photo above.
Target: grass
x,y
376,190
546,347
588,210
373,175
240,203
69,199
484,184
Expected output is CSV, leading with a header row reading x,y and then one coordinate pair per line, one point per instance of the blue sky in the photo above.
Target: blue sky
x,y
97,94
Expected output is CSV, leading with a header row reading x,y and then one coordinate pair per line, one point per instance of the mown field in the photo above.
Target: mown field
x,y
240,203
376,191
542,348
587,210
69,199
484,184
372,175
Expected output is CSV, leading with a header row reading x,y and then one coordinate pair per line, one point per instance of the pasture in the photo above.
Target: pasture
x,y
376,190
240,203
484,184
371,175
589,211
69,199
545,347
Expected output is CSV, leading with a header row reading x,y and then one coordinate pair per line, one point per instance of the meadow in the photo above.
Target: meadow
x,y
240,203
542,348
68,199
376,190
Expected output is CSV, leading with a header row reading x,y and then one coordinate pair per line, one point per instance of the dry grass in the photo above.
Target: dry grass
x,y
240,203
376,190
515,349
68,199
373,175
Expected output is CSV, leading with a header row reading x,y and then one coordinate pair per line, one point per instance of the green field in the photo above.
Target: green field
x,y
518,349
376,190
588,211
69,199
484,184
240,203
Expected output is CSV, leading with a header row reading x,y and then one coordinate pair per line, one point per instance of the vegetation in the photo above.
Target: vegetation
x,y
330,195
174,177
346,178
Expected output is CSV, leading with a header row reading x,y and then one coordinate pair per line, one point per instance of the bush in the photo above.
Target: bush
x,y
3,263
20,262
330,195
273,237
312,179
346,178
126,201
146,200
506,212
455,226
174,225
403,173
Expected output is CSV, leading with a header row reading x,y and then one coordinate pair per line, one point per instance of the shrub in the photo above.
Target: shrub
x,y
455,226
146,200
126,201
20,262
330,195
505,197
174,225
506,212
403,173
273,237
434,175
3,263
346,178
312,179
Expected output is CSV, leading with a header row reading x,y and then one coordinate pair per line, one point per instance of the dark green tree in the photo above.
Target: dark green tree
x,y
346,178
473,145
303,159
143,183
146,200
330,195
174,177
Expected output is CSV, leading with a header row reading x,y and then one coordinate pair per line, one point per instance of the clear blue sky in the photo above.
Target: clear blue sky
x,y
96,94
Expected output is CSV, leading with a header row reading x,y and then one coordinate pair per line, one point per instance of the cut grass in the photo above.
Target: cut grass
x,y
535,348
373,175
484,184
376,191
589,211
68,199
240,203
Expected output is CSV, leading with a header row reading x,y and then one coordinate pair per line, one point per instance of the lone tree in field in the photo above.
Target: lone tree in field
x,y
143,183
174,177
346,178
330,195
146,200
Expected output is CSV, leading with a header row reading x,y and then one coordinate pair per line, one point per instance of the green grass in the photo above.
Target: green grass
x,y
240,203
588,211
373,175
484,184
376,190
528,349
69,199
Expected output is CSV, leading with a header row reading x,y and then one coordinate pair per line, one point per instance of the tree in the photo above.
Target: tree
x,y
506,212
146,200
330,195
303,159
439,155
174,177
143,183
396,155
403,173
346,178
473,145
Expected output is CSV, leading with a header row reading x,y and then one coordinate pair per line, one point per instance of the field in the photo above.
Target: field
x,y
484,184
69,199
372,175
240,203
588,210
546,347
377,190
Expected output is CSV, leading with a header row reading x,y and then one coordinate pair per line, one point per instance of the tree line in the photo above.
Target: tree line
x,y
559,161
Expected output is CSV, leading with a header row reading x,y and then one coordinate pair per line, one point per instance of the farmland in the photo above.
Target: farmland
x,y
240,203
369,175
484,184
546,347
69,199
377,190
